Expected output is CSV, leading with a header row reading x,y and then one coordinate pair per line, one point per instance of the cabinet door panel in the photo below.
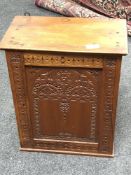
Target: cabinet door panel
x,y
64,103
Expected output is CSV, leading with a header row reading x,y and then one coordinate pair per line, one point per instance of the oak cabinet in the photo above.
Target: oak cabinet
x,y
65,83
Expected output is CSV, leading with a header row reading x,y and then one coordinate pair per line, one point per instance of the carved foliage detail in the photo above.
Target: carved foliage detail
x,y
64,107
65,85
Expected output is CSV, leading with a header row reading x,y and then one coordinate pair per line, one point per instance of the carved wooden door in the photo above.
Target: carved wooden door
x,y
64,103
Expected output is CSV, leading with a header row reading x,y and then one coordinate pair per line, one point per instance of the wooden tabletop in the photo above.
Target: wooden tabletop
x,y
67,35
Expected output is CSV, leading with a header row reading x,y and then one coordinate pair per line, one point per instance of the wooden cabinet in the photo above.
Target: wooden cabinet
x,y
64,75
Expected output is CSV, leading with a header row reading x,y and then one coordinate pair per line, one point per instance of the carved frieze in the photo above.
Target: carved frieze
x,y
57,60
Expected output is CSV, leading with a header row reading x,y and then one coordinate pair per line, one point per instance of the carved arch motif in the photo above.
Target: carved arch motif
x,y
66,85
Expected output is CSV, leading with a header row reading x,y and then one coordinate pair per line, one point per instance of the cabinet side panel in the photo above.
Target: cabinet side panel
x,y
18,87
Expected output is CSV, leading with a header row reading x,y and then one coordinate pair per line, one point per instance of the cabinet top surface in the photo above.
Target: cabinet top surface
x,y
66,35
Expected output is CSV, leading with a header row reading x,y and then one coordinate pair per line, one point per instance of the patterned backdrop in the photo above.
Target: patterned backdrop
x,y
90,8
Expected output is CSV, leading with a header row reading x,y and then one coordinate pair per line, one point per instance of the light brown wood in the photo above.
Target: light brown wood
x,y
67,35
58,60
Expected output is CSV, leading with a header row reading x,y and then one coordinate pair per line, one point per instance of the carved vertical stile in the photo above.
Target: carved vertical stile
x,y
17,77
108,96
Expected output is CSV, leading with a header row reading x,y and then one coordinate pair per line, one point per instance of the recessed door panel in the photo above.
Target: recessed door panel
x,y
64,103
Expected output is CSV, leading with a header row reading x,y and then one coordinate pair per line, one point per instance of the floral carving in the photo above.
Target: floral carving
x,y
65,85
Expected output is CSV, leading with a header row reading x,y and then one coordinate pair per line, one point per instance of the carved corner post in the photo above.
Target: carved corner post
x,y
17,79
108,104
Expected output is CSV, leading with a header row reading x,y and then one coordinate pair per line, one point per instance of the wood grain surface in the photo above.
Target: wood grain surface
x,y
67,35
